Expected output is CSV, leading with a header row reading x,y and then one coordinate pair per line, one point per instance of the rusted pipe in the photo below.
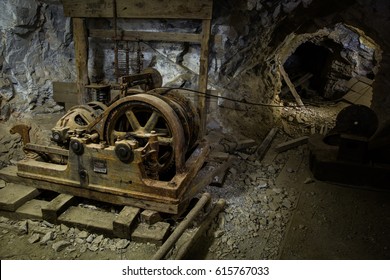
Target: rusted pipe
x,y
164,249
203,227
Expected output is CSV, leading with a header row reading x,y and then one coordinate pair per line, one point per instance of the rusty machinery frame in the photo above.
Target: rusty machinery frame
x,y
97,168
79,11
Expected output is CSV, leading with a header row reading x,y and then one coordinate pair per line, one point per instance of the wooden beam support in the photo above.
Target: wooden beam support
x,y
263,148
146,9
292,144
146,36
153,36
291,86
203,73
80,37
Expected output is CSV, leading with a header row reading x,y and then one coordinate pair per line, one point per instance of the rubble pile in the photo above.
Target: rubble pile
x,y
70,241
257,213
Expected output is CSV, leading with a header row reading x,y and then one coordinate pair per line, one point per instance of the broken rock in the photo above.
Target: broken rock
x,y
34,238
122,244
60,245
83,234
308,180
47,237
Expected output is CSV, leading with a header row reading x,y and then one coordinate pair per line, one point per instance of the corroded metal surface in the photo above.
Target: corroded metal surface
x,y
142,150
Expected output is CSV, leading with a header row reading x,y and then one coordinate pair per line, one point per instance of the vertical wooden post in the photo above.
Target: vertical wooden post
x,y
80,37
203,72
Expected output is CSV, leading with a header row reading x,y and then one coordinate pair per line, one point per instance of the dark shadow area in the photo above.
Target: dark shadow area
x,y
313,59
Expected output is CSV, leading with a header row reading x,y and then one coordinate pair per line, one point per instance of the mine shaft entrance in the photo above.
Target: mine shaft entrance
x,y
308,67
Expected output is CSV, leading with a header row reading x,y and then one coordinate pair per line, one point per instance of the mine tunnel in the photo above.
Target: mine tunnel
x,y
309,60
206,130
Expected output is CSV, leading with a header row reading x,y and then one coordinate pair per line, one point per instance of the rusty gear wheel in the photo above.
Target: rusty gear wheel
x,y
138,116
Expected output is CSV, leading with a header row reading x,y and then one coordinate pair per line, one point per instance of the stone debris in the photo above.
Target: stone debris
x,y
83,234
309,180
34,238
47,224
47,237
2,184
79,240
257,214
257,211
122,244
93,247
23,227
90,238
60,245
98,239
83,248
64,228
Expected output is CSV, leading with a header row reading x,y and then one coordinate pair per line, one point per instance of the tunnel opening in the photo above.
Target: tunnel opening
x,y
328,68
311,59
310,68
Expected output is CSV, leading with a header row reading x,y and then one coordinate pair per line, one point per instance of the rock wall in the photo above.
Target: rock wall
x,y
36,48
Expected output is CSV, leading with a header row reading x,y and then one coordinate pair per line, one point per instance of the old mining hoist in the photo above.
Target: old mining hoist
x,y
142,148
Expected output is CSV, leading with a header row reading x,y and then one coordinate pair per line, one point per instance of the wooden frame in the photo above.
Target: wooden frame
x,y
79,10
146,9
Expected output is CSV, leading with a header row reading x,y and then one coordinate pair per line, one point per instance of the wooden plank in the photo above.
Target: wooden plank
x,y
205,225
298,82
148,9
220,174
57,206
46,149
32,209
203,73
150,217
125,221
80,37
125,35
88,219
155,234
15,195
263,148
64,92
291,86
9,175
291,144
146,36
365,80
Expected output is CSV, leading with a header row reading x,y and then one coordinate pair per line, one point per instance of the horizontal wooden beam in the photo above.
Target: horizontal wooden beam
x,y
292,144
147,9
146,36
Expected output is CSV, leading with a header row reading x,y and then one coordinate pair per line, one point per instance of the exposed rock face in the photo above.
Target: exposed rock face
x,y
36,48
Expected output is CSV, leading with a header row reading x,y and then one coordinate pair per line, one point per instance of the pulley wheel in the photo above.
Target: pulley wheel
x,y
358,120
141,115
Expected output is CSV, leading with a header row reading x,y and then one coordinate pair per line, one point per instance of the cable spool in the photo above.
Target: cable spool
x,y
357,120
171,118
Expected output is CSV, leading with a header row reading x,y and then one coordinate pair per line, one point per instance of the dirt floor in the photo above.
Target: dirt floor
x,y
275,210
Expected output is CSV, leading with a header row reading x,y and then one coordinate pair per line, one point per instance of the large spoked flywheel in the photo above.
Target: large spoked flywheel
x,y
139,117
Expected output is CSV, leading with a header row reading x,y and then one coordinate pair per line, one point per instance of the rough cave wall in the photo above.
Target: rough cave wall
x,y
36,48
369,16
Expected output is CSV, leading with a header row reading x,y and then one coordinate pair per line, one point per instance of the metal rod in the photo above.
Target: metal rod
x,y
164,249
203,227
